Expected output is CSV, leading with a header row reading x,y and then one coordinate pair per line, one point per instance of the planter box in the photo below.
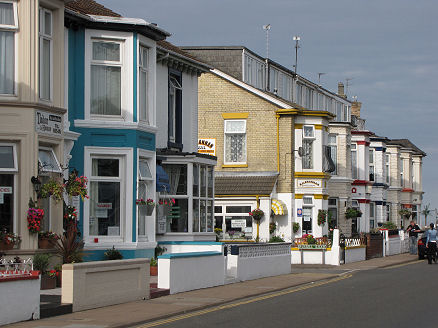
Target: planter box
x,y
153,270
45,243
6,247
48,282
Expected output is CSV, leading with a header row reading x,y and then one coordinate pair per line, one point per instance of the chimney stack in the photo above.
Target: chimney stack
x,y
341,91
355,108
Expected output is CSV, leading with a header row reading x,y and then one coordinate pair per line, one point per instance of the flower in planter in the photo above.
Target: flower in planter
x,y
148,201
9,238
50,235
167,201
257,214
52,273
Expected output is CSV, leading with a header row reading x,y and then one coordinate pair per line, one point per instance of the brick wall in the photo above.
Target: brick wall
x,y
217,96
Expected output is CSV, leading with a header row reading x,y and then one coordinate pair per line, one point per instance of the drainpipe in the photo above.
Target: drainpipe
x,y
258,221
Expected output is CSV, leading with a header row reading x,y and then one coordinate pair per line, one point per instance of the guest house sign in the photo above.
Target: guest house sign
x,y
207,146
309,183
48,123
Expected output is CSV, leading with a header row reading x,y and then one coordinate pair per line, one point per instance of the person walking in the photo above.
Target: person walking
x,y
431,244
413,230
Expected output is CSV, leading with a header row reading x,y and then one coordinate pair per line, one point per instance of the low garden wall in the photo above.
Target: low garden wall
x,y
180,272
397,243
101,283
190,246
320,255
19,298
252,261
355,253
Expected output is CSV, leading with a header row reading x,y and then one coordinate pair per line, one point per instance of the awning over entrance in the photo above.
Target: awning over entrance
x,y
278,207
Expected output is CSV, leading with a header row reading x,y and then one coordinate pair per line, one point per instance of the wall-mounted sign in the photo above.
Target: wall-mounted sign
x,y
353,190
107,206
207,146
48,123
238,223
309,183
5,190
299,212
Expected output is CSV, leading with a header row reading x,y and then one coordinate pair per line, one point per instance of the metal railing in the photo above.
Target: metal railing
x,y
10,268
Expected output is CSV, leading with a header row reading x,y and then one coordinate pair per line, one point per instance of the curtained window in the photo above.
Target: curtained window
x,y
8,27
333,151
105,95
145,191
235,141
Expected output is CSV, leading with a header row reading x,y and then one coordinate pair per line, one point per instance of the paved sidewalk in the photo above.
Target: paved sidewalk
x,y
130,314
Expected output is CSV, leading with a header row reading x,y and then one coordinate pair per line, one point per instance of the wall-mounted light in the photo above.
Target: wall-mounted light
x,y
36,184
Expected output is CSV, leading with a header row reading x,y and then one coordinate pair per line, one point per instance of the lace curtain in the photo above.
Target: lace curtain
x,y
307,154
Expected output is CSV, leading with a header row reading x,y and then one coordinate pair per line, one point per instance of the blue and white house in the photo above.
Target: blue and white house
x,y
112,107
132,114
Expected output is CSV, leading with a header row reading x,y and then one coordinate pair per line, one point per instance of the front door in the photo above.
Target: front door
x,y
307,220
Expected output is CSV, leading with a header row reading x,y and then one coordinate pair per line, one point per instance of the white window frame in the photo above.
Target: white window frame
x,y
12,28
371,164
126,198
353,149
148,157
151,48
309,199
335,146
45,37
126,61
313,132
402,179
14,154
43,168
388,168
142,68
244,132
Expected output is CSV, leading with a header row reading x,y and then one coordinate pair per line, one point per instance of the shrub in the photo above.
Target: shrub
x,y
296,227
41,262
276,239
272,227
112,254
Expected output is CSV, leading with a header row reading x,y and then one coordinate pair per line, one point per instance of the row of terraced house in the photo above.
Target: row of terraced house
x,y
85,89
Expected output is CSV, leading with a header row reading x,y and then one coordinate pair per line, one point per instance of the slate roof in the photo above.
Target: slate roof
x,y
90,7
244,185
406,143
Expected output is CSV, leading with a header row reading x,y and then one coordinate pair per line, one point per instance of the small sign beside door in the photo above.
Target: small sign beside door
x,y
299,212
238,223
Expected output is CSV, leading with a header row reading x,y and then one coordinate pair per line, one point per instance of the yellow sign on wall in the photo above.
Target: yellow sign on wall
x,y
207,146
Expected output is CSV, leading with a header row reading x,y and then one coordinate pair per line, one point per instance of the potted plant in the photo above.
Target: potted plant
x,y
47,239
322,217
218,232
8,240
76,186
48,278
153,267
295,227
272,227
112,254
352,212
405,213
257,214
145,207
52,188
70,246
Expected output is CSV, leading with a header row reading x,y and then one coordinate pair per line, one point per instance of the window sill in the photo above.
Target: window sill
x,y
234,165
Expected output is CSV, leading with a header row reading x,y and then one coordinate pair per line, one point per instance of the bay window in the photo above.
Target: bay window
x,y
45,53
8,169
387,169
235,141
106,65
105,197
372,214
143,86
8,28
193,210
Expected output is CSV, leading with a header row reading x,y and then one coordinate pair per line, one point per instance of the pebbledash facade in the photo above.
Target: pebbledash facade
x,y
132,102
272,142
32,110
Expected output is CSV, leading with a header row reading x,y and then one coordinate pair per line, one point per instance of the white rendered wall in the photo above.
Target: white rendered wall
x,y
190,273
187,248
355,254
258,267
19,300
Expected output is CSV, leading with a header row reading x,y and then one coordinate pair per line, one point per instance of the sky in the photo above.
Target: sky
x,y
387,49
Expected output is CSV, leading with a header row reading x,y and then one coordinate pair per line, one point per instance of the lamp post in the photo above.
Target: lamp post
x,y
296,39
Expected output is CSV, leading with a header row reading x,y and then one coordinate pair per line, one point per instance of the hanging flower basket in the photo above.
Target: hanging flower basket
x,y
322,217
352,212
145,207
34,218
53,188
8,240
166,205
257,214
77,186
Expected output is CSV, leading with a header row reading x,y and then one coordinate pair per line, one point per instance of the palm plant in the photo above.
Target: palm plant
x,y
70,247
